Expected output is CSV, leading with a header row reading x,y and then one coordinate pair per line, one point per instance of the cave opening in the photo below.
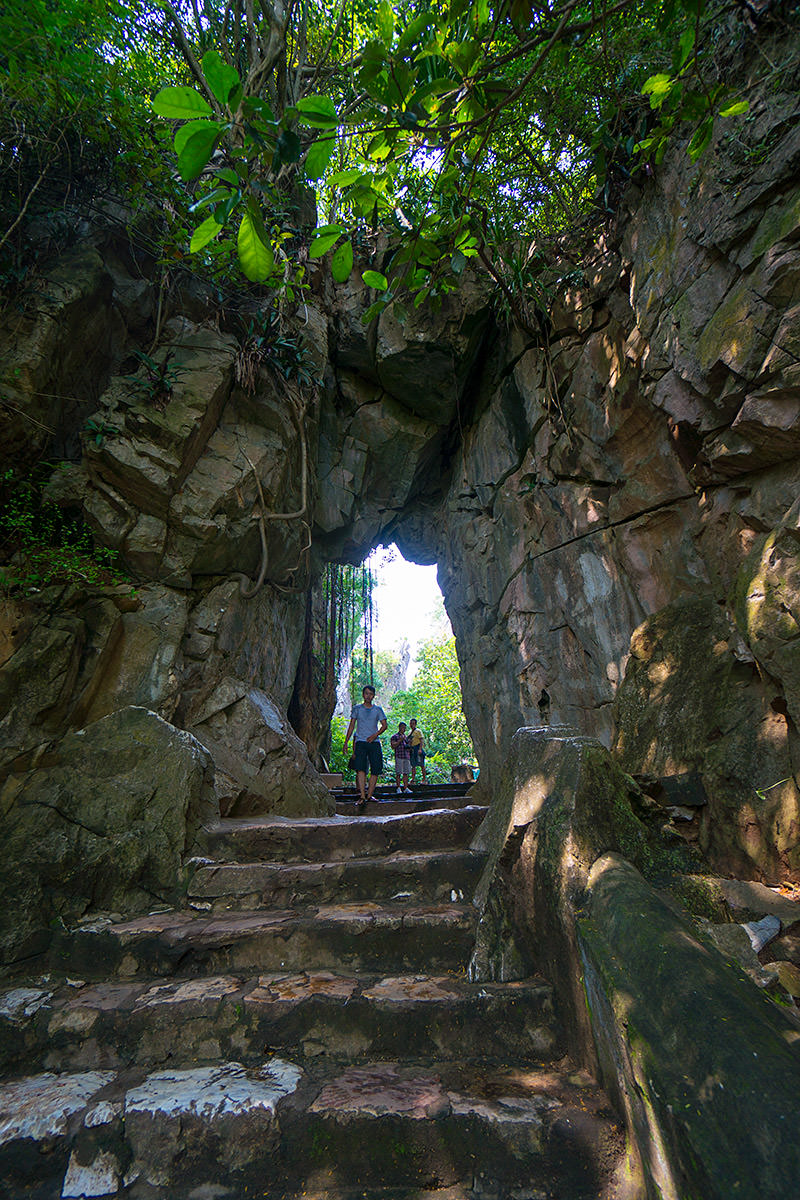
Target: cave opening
x,y
381,622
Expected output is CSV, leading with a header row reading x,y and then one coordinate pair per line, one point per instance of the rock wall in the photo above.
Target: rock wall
x,y
641,464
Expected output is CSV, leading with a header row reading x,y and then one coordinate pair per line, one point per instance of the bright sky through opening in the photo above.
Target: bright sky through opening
x,y
407,601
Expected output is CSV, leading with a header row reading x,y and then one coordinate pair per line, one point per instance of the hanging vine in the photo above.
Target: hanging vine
x,y
349,622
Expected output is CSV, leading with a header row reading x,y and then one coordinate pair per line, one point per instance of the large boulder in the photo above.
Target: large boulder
x,y
261,764
102,823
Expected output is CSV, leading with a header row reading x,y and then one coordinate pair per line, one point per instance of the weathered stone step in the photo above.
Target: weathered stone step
x,y
364,937
278,1129
397,805
434,876
324,839
152,1022
494,1129
419,791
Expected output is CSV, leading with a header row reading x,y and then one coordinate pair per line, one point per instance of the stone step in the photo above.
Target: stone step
x,y
278,1129
154,1022
493,1128
397,805
324,839
433,876
420,791
363,937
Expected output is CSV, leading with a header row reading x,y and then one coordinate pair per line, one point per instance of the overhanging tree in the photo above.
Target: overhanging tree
x,y
453,127
458,130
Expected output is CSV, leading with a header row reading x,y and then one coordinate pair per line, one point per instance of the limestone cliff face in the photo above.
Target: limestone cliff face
x,y
613,503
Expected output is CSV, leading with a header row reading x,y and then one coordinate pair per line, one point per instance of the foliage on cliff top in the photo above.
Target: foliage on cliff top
x,y
451,128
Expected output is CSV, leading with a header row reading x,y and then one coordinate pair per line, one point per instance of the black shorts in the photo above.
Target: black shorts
x,y
369,756
417,756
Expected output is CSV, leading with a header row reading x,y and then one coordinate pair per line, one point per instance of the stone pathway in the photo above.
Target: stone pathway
x,y
303,1027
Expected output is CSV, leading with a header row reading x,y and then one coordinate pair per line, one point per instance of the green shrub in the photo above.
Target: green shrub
x,y
40,544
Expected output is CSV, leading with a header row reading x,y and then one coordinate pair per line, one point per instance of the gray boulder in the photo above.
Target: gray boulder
x,y
101,823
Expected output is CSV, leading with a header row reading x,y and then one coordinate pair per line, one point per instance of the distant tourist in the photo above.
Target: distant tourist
x,y
417,742
402,758
369,722
463,773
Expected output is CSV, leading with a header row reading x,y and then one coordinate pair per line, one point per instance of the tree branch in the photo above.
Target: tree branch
x,y
189,56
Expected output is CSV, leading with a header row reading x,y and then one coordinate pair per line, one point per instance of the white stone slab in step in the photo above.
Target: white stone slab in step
x,y
218,1118
208,1092
516,1119
39,1106
103,1113
98,1178
191,990
762,932
20,1003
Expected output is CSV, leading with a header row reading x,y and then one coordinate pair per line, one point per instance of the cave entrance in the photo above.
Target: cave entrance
x,y
382,622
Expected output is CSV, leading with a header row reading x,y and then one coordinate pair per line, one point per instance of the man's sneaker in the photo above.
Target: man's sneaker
x,y
408,791
399,791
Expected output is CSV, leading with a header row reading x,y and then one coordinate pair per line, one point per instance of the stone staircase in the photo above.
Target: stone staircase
x,y
303,1027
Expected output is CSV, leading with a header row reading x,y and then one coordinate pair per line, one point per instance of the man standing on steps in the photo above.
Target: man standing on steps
x,y
369,722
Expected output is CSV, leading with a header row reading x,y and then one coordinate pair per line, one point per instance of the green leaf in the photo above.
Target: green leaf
x,y
413,30
380,147
321,245
222,212
439,86
256,259
229,176
197,151
457,262
385,22
288,149
188,130
700,140
736,109
217,193
317,111
685,47
373,311
343,179
375,280
658,87
255,106
656,83
342,262
180,104
204,234
319,156
221,78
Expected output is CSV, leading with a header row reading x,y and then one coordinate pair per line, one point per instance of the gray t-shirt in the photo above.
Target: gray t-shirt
x,y
367,719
